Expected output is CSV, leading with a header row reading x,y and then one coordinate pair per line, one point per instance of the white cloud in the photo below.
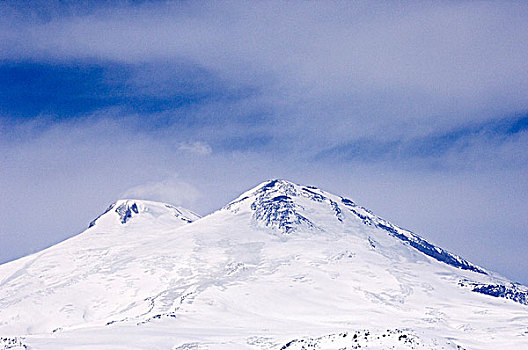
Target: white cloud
x,y
172,191
196,147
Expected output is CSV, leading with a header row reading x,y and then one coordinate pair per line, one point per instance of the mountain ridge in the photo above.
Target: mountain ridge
x,y
273,204
281,264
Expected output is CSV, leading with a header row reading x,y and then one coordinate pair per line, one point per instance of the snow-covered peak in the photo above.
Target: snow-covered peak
x,y
284,266
289,208
270,186
124,210
275,186
282,205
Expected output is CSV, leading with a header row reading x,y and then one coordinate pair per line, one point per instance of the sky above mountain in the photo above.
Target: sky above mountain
x,y
417,111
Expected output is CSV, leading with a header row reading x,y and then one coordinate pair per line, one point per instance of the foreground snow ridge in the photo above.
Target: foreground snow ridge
x,y
283,266
365,339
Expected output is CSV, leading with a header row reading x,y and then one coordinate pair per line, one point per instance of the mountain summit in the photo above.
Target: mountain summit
x,y
283,266
288,207
123,210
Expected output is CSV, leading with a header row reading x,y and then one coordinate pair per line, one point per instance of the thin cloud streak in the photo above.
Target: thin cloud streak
x,y
171,190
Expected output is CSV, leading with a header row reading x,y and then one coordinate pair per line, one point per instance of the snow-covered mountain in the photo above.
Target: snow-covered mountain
x,y
283,266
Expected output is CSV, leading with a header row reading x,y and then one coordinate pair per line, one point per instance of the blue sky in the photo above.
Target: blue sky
x,y
416,110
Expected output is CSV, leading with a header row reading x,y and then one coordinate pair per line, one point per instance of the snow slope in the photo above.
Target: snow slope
x,y
283,266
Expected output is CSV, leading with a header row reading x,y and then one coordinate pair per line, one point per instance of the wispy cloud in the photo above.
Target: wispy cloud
x,y
359,65
171,190
196,147
483,144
